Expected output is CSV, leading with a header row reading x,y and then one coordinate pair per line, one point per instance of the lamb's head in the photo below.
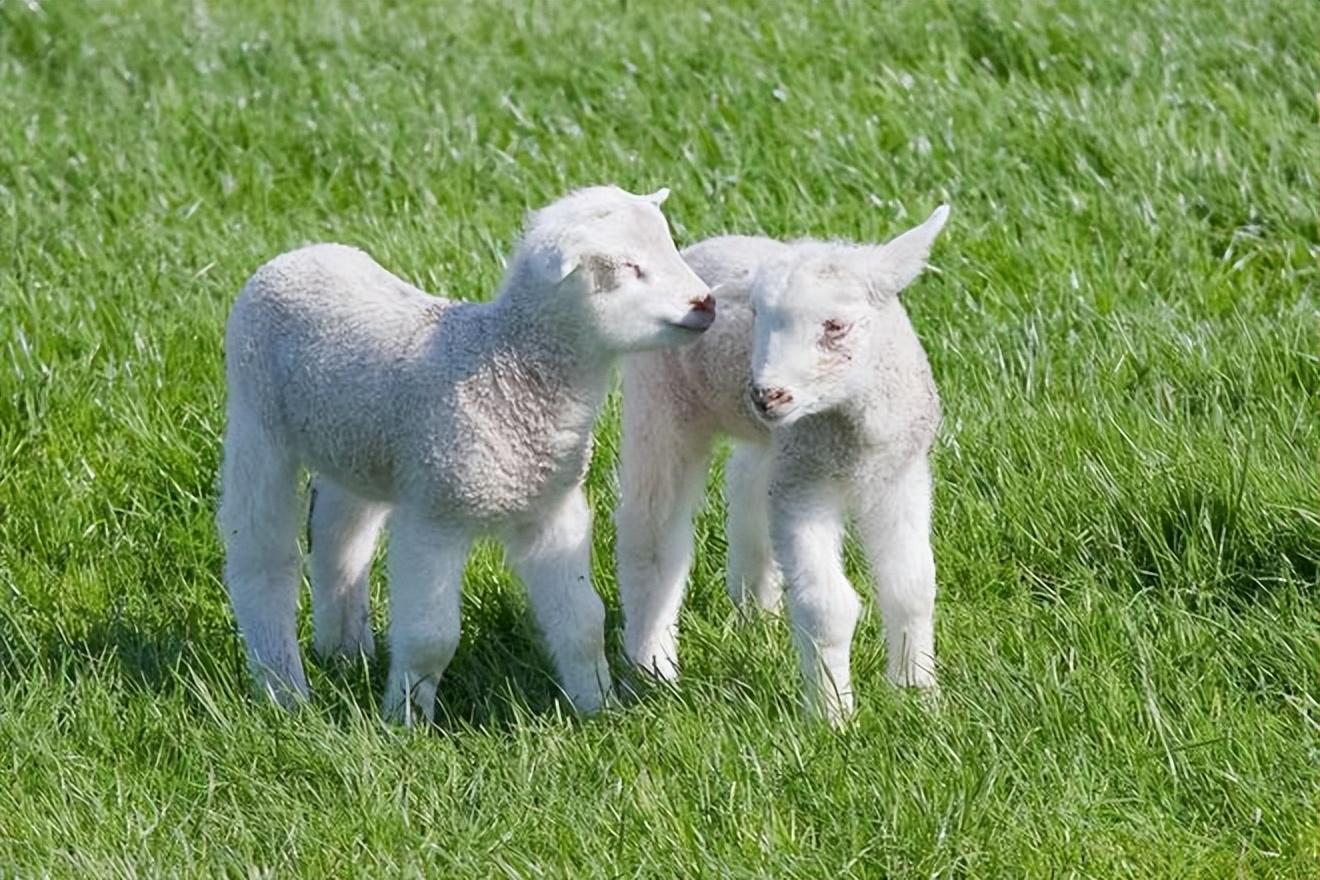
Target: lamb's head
x,y
817,316
614,270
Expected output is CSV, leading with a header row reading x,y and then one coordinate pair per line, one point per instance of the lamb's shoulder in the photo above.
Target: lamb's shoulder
x,y
903,390
508,440
897,412
855,453
889,420
821,448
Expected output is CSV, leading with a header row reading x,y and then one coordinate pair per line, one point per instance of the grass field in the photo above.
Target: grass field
x,y
1123,325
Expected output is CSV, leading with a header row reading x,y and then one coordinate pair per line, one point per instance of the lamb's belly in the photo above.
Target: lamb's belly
x,y
493,491
366,470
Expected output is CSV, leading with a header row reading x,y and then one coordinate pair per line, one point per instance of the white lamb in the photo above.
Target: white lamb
x,y
814,370
451,419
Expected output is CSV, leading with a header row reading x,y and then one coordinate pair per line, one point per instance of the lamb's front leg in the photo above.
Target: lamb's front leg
x,y
895,528
663,462
426,576
553,557
806,527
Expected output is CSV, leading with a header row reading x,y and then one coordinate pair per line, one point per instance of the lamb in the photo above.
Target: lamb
x,y
816,374
449,419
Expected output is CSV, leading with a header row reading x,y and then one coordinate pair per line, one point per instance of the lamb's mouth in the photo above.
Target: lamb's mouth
x,y
696,320
781,416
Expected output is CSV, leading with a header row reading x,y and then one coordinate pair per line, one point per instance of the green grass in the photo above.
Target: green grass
x,y
1123,326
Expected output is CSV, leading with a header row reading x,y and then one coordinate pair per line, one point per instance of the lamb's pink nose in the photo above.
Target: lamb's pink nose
x,y
701,313
769,399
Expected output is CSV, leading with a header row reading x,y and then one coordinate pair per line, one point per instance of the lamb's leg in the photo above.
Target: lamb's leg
x,y
662,473
426,578
258,521
896,532
342,530
753,579
806,526
554,560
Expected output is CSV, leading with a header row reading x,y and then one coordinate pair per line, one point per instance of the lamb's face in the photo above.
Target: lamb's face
x,y
627,283
812,321
816,314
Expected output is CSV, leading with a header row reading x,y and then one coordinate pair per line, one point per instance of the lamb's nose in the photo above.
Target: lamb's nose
x,y
767,399
702,303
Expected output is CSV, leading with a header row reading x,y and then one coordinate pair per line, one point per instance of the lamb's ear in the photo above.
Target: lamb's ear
x,y
592,272
570,271
896,264
658,197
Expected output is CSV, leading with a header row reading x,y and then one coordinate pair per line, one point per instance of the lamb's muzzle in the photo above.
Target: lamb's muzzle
x,y
701,316
769,402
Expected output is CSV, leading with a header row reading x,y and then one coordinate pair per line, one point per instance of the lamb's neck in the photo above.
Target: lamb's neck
x,y
859,411
569,367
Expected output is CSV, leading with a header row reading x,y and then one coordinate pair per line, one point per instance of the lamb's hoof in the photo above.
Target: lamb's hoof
x,y
409,701
594,703
752,610
835,709
290,695
928,695
913,676
346,648
659,664
921,684
763,600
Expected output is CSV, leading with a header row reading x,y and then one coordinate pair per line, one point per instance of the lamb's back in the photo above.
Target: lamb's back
x,y
330,290
321,344
731,258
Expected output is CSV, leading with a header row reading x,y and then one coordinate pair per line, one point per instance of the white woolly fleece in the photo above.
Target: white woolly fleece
x,y
452,419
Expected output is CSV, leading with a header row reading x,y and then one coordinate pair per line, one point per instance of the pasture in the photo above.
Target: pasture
x,y
1122,321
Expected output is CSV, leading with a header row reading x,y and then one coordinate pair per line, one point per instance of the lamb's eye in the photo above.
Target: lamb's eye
x,y
635,269
832,337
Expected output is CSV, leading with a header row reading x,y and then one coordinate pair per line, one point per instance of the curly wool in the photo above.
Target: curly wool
x,y
452,419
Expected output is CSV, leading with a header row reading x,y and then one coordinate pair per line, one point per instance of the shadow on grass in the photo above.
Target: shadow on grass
x,y
146,658
1200,535
500,676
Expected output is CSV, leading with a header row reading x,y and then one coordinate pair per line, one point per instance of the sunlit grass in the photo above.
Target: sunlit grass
x,y
1123,324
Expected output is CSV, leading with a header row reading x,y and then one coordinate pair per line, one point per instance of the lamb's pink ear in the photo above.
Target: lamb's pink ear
x,y
658,197
571,270
896,264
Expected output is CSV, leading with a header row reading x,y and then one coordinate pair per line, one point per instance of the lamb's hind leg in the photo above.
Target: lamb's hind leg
x,y
553,558
753,578
258,521
662,473
342,531
896,531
